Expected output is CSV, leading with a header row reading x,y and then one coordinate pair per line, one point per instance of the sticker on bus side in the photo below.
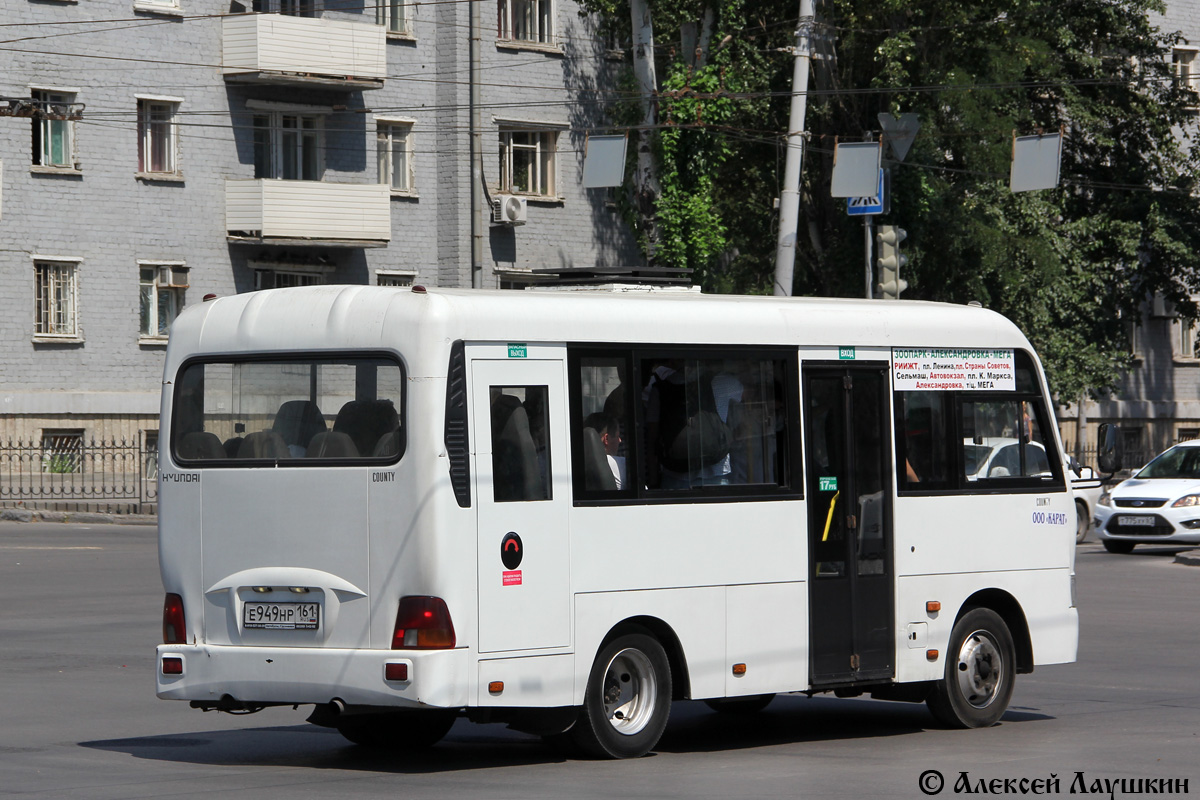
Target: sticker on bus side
x,y
517,351
511,577
934,369
827,484
845,353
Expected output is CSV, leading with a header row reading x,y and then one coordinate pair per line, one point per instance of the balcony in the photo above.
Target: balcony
x,y
308,213
278,49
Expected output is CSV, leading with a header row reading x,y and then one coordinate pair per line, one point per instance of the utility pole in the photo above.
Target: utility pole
x,y
475,136
789,197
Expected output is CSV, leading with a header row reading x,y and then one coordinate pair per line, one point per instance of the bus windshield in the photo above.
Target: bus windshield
x,y
292,411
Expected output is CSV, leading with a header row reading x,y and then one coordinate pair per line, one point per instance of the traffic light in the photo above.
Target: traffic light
x,y
890,261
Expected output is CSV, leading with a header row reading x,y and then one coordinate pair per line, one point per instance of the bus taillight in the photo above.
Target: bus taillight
x,y
423,623
174,631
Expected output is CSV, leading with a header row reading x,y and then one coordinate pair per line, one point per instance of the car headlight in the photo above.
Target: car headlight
x,y
1105,500
1187,500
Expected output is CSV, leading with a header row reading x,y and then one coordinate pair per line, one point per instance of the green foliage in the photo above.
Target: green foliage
x,y
1070,266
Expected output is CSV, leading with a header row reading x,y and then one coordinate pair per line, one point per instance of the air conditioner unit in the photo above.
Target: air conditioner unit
x,y
170,277
508,209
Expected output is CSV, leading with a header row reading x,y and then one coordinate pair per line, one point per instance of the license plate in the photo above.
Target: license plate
x,y
1137,521
282,616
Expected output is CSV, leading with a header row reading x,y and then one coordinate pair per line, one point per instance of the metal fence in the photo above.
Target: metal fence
x,y
63,472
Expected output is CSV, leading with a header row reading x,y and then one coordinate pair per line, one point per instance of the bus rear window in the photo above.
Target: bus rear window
x,y
293,412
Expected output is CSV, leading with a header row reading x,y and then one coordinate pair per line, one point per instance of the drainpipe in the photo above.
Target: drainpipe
x,y
476,136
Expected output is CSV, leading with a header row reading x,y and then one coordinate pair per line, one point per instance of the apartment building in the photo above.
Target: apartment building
x,y
153,152
1157,400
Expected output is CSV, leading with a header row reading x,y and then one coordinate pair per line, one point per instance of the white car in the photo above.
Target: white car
x,y
1160,504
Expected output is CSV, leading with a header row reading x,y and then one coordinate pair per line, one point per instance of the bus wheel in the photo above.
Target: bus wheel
x,y
627,699
740,705
1118,546
398,729
980,668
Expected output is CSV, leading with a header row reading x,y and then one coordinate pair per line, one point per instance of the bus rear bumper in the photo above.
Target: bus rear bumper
x,y
300,675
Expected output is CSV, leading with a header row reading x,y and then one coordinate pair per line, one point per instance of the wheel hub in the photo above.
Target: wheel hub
x,y
980,669
630,691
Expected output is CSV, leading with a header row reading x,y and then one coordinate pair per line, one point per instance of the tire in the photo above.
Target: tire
x,y
627,699
398,730
980,670
1118,546
1083,522
751,704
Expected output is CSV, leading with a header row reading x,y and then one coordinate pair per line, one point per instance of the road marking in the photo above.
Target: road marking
x,y
44,547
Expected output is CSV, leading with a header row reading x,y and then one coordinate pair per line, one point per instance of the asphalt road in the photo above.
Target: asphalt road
x,y
80,614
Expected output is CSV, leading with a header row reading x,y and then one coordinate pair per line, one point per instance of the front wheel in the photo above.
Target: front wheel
x,y
1118,546
627,699
980,669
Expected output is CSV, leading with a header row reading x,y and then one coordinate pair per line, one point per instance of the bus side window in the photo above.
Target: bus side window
x,y
923,440
602,431
520,450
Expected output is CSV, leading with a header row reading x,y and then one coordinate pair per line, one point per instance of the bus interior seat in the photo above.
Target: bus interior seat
x,y
298,421
331,444
388,444
366,422
596,473
200,444
514,455
264,444
232,445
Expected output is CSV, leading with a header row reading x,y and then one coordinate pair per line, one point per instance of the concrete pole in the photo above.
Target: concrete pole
x,y
789,197
476,137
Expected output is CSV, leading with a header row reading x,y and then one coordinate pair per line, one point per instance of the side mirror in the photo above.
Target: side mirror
x,y
1109,456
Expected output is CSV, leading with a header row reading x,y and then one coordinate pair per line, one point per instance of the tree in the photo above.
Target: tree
x,y
1070,266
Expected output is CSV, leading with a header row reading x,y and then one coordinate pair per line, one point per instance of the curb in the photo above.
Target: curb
x,y
1189,557
88,517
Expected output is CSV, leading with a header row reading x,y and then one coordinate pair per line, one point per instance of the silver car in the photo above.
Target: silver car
x,y
1160,504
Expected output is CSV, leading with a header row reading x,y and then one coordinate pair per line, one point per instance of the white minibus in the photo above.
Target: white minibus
x,y
564,510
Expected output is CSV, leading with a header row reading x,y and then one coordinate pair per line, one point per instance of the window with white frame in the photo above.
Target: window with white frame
x,y
54,134
527,21
1186,337
153,5
291,8
161,289
62,450
395,15
393,145
527,161
279,278
392,277
56,298
288,146
157,136
1187,70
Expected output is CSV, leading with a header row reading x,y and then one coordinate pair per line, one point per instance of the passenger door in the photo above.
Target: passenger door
x,y
849,486
521,482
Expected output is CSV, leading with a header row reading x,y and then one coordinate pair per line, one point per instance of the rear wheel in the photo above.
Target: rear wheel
x,y
397,729
1117,546
980,668
751,704
1083,521
627,699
